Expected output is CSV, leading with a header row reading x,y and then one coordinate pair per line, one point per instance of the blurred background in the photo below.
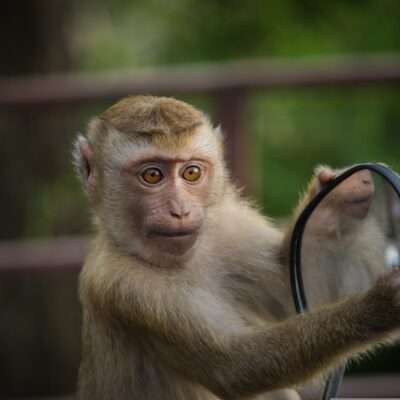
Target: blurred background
x,y
293,84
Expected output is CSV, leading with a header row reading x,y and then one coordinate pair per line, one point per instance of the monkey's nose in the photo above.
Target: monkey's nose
x,y
179,213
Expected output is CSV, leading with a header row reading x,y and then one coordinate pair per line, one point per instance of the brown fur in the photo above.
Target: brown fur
x,y
213,322
152,116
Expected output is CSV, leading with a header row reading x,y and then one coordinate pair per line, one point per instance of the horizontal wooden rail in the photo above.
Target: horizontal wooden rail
x,y
366,386
371,386
43,255
207,78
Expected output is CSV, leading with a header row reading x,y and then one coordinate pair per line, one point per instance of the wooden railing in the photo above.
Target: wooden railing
x,y
229,84
371,387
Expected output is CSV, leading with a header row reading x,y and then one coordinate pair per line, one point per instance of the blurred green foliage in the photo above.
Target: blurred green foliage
x,y
290,131
125,33
298,130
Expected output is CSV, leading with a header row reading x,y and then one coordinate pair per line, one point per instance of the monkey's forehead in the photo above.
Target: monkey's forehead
x,y
151,113
202,142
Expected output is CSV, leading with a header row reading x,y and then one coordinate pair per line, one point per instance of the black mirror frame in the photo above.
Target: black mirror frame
x,y
296,280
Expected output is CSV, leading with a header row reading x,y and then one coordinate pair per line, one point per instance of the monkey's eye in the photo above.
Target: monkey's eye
x,y
191,173
152,175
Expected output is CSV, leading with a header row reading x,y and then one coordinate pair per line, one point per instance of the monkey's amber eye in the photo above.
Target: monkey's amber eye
x,y
192,173
152,175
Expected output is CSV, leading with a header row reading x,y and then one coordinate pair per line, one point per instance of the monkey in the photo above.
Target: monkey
x,y
185,292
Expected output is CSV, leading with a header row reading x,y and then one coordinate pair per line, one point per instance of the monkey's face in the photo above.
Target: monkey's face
x,y
157,195
170,199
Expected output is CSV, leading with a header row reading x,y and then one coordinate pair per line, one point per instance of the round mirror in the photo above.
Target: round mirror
x,y
350,238
345,238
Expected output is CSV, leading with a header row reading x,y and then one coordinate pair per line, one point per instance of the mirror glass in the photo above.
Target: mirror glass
x,y
351,238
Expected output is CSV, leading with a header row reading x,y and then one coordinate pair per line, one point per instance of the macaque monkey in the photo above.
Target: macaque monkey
x,y
185,292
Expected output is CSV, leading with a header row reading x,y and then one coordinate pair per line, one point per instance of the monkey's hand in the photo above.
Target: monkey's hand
x,y
384,303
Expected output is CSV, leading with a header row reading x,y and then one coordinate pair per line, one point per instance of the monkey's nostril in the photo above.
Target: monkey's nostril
x,y
175,214
179,214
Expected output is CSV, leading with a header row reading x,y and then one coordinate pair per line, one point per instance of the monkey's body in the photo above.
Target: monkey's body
x,y
185,290
226,296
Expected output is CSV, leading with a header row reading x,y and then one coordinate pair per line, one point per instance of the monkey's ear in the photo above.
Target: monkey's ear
x,y
83,159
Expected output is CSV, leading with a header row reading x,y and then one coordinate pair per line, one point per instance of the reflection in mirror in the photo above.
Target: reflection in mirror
x,y
351,238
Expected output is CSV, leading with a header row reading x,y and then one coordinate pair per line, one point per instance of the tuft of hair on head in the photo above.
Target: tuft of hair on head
x,y
149,115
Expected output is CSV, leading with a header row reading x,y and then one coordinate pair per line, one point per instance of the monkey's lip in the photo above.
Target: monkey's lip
x,y
175,234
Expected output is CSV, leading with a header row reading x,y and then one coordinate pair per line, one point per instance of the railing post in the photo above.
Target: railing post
x,y
231,114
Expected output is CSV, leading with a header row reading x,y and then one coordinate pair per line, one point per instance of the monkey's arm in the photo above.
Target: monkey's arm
x,y
240,362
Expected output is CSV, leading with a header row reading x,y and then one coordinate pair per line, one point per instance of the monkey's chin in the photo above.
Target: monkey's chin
x,y
177,245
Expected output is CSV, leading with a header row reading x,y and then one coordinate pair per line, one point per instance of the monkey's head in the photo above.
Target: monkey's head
x,y
152,167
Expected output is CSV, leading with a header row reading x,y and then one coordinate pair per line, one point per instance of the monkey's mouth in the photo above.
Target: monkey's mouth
x,y
175,234
176,242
